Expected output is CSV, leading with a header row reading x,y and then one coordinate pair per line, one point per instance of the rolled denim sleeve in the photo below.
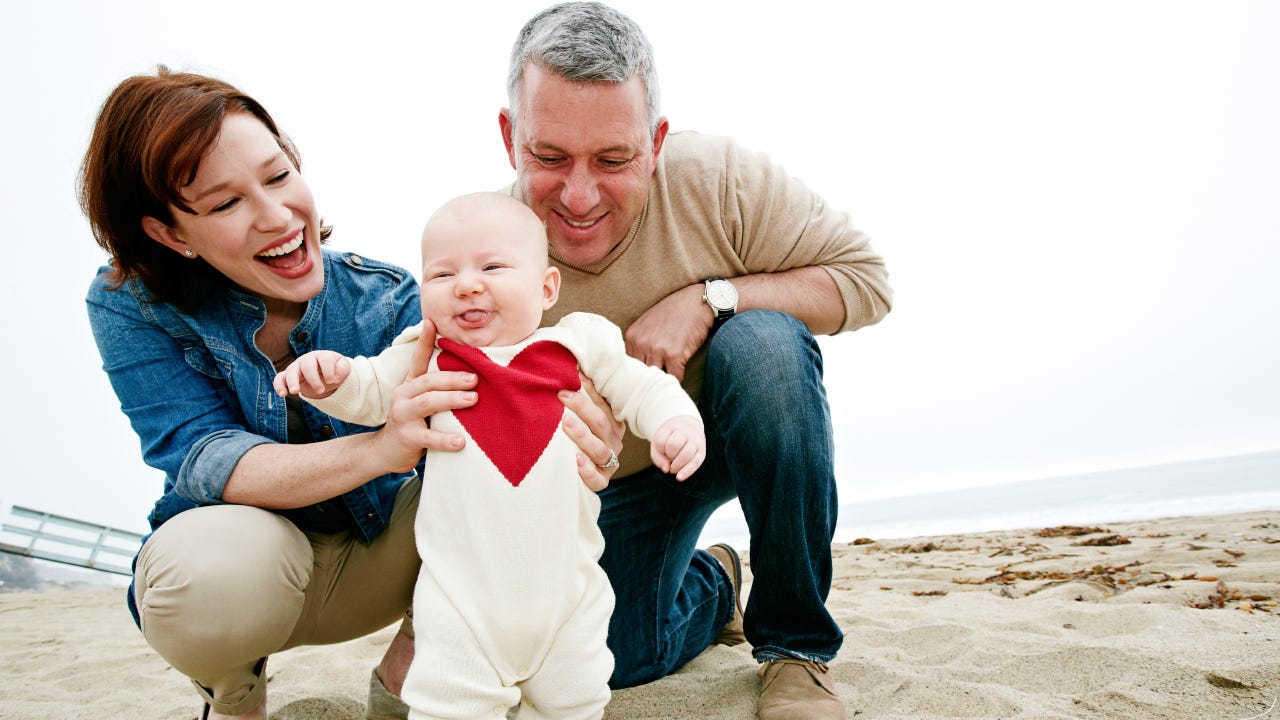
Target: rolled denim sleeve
x,y
209,464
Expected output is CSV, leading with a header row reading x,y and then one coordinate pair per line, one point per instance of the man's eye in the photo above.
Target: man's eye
x,y
547,159
612,162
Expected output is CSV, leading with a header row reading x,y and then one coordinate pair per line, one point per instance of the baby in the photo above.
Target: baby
x,y
511,606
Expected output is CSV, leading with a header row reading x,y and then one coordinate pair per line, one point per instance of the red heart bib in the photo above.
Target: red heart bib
x,y
517,410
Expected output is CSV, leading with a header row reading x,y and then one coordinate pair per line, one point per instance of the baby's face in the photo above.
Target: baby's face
x,y
485,278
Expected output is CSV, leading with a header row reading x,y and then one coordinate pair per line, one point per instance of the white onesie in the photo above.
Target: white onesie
x,y
511,606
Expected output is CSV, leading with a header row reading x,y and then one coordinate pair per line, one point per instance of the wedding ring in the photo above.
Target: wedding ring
x,y
612,461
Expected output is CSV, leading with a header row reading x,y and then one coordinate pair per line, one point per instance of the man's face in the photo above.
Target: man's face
x,y
583,157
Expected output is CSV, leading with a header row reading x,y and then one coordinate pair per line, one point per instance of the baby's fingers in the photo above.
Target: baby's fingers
x,y
279,384
313,379
334,369
689,459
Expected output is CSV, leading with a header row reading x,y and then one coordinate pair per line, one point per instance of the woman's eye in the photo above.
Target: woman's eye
x,y
279,178
225,205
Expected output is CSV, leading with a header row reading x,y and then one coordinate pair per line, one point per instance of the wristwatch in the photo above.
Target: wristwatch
x,y
722,296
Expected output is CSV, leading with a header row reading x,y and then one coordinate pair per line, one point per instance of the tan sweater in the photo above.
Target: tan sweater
x,y
718,210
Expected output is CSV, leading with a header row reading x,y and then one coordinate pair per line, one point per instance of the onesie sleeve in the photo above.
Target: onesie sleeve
x,y
364,398
642,396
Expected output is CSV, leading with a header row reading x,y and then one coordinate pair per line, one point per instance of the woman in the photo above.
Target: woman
x,y
278,525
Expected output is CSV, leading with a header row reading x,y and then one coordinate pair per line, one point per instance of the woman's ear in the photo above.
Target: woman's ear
x,y
166,236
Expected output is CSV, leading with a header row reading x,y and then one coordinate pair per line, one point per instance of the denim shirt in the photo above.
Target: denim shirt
x,y
198,391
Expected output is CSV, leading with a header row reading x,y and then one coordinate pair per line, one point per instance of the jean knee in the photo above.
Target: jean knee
x,y
763,363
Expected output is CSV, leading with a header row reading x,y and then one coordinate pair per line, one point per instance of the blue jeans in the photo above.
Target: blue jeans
x,y
769,444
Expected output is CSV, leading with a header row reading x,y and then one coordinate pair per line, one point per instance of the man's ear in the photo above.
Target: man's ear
x,y
507,126
659,137
550,287
166,236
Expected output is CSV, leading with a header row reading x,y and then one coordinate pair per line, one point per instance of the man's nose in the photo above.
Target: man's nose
x,y
581,191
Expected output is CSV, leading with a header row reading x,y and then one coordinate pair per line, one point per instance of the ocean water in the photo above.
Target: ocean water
x,y
1215,486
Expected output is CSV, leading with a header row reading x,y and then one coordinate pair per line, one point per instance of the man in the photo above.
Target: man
x,y
720,269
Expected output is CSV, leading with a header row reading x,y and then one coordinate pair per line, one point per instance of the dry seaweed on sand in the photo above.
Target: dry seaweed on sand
x,y
1068,531
1104,541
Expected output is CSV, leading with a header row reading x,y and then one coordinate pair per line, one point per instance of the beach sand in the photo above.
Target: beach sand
x,y
1176,618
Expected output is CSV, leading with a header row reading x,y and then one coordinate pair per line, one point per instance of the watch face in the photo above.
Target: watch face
x,y
721,295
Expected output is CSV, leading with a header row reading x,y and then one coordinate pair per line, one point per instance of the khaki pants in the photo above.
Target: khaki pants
x,y
220,588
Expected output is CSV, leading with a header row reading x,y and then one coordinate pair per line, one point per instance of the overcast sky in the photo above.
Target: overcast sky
x,y
1076,201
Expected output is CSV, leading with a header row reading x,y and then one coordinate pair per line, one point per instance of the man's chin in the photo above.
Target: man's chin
x,y
580,251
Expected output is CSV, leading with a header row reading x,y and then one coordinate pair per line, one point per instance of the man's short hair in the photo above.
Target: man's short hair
x,y
586,42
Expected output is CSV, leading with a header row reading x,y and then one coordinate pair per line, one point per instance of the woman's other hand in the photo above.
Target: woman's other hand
x,y
597,433
422,394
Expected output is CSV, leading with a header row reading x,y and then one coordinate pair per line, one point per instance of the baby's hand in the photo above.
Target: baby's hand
x,y
679,446
314,375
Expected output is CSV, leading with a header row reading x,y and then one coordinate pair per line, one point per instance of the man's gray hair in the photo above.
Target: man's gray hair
x,y
585,42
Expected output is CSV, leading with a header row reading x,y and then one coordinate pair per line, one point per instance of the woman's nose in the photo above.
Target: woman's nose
x,y
273,215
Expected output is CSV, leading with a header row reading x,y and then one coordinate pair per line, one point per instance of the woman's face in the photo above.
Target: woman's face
x,y
255,220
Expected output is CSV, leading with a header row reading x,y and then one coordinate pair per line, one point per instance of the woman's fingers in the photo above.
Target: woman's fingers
x,y
422,353
595,456
415,400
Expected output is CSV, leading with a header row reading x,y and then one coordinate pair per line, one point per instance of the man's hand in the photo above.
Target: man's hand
x,y
668,333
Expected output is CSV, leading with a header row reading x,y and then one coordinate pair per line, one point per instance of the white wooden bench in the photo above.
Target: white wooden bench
x,y
38,534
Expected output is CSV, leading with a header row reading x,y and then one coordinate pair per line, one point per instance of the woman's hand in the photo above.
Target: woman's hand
x,y
596,432
422,394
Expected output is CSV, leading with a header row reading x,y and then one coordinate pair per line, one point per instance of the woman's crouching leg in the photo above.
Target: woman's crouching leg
x,y
219,589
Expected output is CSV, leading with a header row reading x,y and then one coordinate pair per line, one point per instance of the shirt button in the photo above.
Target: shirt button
x,y
356,259
302,336
326,431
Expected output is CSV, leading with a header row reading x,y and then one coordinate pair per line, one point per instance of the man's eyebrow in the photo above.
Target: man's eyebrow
x,y
622,149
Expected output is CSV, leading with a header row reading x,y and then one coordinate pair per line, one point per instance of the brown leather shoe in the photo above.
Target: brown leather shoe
x,y
798,690
731,634
382,704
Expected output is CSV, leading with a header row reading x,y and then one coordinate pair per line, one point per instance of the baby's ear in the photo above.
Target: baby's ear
x,y
550,287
